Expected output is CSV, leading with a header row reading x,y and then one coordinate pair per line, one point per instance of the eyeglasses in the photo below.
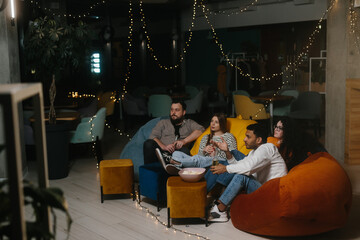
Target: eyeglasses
x,y
278,127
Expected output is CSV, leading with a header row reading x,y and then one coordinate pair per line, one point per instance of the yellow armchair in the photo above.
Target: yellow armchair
x,y
248,109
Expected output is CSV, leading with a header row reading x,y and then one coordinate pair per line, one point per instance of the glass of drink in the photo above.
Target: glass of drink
x,y
215,160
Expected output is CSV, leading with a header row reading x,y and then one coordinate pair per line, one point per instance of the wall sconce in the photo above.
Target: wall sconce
x,y
12,6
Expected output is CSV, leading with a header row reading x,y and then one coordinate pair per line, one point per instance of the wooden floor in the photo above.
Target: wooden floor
x,y
122,218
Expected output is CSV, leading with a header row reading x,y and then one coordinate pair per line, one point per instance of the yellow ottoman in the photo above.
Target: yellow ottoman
x,y
116,177
185,199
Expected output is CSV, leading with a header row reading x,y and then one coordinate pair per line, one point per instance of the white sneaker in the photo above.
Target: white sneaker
x,y
172,169
160,157
217,216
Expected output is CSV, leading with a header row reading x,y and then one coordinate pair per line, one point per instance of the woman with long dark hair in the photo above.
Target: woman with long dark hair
x,y
294,144
207,150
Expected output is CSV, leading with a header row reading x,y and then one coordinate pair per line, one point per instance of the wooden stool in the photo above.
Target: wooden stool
x,y
186,200
116,177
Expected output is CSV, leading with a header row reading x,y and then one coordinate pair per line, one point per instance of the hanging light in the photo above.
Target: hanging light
x,y
12,6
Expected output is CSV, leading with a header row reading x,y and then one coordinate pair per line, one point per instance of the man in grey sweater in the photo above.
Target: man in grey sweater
x,y
175,133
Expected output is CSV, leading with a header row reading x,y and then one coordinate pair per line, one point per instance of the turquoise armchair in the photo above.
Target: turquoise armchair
x,y
159,105
283,109
90,130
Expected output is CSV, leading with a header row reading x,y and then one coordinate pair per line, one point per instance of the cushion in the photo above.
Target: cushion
x,y
314,197
236,126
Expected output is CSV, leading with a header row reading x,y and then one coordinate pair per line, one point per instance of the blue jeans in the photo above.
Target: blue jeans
x,y
238,183
192,161
224,178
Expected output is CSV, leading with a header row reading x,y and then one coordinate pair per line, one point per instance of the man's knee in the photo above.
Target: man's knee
x,y
149,143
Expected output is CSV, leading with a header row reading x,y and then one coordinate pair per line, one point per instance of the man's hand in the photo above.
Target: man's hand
x,y
179,143
169,148
219,169
221,145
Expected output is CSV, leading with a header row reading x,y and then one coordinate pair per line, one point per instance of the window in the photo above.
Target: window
x,y
95,63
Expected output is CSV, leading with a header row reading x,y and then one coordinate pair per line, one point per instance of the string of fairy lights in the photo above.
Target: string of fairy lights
x,y
184,49
129,51
158,220
51,12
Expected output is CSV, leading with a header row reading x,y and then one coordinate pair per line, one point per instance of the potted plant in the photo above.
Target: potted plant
x,y
40,200
53,47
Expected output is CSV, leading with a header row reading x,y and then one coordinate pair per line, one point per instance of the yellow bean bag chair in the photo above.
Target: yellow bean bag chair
x,y
236,126
314,197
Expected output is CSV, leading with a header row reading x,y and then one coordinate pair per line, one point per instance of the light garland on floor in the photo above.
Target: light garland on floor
x,y
93,147
119,131
36,4
151,49
233,12
157,220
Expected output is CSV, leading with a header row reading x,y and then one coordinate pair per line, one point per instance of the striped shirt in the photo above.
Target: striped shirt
x,y
229,139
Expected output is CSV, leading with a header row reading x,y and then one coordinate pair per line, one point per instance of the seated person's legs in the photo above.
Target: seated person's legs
x,y
184,160
185,150
149,151
238,183
212,179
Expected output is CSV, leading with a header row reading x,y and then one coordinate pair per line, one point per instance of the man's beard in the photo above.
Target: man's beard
x,y
176,121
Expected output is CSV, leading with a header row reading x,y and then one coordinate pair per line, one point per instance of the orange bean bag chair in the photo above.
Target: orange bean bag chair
x,y
314,197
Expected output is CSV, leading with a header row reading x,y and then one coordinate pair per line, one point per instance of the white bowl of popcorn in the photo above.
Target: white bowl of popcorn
x,y
192,174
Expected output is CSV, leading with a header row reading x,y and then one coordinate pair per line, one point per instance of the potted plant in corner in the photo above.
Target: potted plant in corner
x,y
52,49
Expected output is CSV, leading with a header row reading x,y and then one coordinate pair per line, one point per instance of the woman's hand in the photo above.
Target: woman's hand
x,y
221,145
208,150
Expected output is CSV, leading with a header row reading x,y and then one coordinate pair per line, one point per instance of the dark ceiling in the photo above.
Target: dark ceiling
x,y
120,8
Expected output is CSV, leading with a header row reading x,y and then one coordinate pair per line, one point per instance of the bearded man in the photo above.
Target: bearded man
x,y
175,133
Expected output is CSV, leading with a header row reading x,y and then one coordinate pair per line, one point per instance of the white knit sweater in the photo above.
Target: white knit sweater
x,y
265,163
